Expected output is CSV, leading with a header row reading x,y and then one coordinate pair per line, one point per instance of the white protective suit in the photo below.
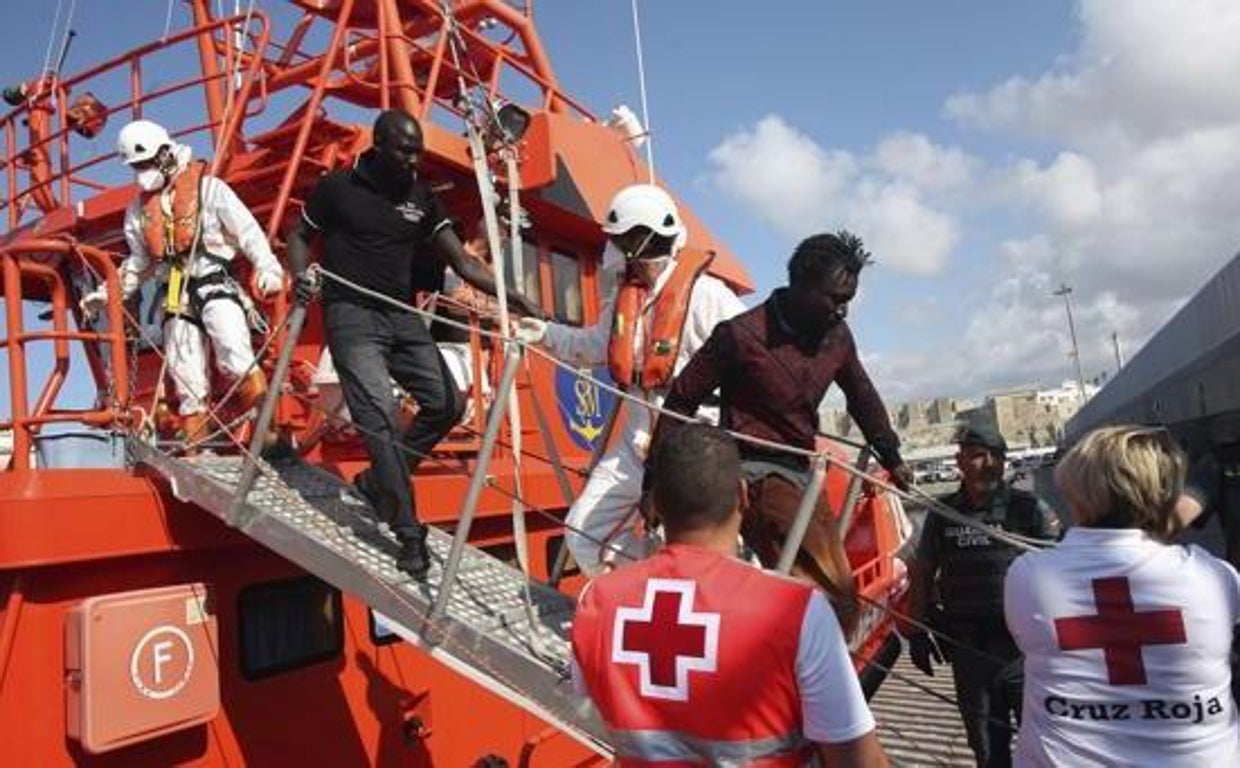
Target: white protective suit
x,y
227,227
614,488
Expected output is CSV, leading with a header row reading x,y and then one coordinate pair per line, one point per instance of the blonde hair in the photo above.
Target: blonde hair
x,y
1124,477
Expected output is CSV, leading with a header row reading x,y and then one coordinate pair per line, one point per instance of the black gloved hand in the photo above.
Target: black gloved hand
x,y
902,477
305,287
921,649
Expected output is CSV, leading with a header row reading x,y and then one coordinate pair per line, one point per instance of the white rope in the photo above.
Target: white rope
x,y
64,38
167,23
1015,540
641,83
51,39
506,338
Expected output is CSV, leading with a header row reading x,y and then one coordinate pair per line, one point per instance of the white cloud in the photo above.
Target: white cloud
x,y
1143,70
914,158
1067,191
787,179
1136,209
781,175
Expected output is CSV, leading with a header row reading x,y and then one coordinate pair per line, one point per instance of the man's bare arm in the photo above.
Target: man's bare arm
x,y
863,752
449,247
297,251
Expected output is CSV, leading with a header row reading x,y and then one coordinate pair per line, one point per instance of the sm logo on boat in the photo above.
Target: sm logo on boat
x,y
584,406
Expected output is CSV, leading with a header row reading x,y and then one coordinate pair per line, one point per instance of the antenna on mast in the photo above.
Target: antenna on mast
x,y
641,83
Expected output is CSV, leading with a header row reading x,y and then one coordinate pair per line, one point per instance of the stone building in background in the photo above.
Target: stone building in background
x,y
1027,417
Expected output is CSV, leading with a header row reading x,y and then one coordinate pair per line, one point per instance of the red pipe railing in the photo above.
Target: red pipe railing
x,y
65,175
27,261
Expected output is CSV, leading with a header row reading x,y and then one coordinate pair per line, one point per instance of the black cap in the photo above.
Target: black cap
x,y
982,432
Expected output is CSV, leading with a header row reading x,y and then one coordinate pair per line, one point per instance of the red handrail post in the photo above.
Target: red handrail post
x,y
17,362
211,69
399,55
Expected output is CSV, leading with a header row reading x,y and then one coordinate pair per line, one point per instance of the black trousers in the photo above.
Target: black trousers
x,y
372,345
989,675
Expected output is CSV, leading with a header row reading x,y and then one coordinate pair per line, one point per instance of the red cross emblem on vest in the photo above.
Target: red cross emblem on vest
x,y
666,639
1120,630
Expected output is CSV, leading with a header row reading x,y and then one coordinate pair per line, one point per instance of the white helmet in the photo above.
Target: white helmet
x,y
644,205
140,141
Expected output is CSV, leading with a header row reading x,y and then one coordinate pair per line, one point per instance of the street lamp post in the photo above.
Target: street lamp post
x,y
1066,292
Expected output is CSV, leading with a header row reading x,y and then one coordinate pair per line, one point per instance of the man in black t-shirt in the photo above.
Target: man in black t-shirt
x,y
384,230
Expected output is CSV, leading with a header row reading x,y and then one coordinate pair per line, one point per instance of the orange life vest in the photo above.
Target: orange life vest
x,y
685,673
172,236
662,339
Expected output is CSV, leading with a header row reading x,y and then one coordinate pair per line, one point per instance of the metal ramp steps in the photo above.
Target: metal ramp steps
x,y
299,512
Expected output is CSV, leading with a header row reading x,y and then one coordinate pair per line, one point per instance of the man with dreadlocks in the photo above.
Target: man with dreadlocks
x,y
773,365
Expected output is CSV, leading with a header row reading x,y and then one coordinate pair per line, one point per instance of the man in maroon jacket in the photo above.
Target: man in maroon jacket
x,y
773,365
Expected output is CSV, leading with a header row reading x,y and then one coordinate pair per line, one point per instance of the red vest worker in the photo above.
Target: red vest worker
x,y
694,657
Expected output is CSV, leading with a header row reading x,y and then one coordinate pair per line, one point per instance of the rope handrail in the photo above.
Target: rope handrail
x,y
917,495
538,509
605,544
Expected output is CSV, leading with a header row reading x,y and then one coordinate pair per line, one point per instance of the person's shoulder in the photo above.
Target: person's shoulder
x,y
785,582
753,318
133,210
1198,557
951,498
841,333
708,283
213,187
772,582
421,190
1022,494
1024,502
1027,565
1035,515
621,580
335,180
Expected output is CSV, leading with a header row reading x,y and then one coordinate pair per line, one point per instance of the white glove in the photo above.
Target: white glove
x,y
268,283
531,330
92,302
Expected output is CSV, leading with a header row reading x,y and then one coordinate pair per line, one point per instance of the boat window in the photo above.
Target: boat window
x,y
289,624
529,272
566,274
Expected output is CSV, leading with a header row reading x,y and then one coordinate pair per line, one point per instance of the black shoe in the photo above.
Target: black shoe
x,y
414,558
278,452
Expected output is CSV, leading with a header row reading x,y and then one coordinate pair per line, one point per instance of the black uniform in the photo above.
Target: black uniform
x,y
970,569
381,240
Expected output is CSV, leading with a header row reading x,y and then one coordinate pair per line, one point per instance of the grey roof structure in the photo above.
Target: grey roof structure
x,y
1187,373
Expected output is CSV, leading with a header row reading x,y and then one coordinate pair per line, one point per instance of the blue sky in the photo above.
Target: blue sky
x,y
986,152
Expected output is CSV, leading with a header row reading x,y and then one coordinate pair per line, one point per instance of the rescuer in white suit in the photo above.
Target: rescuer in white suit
x,y
182,210
663,311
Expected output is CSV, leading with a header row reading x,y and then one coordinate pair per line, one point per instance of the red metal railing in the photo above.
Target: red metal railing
x,y
56,170
45,262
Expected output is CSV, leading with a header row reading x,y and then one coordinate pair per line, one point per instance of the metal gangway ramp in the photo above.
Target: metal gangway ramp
x,y
486,630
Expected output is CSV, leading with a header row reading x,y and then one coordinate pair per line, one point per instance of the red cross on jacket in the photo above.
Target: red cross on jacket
x,y
1120,630
691,650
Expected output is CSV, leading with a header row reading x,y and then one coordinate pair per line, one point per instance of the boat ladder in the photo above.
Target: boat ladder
x,y
485,630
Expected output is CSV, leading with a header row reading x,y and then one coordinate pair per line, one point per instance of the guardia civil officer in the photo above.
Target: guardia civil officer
x,y
964,568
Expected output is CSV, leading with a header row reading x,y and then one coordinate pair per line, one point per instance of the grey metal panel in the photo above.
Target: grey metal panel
x,y
1186,371
299,512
